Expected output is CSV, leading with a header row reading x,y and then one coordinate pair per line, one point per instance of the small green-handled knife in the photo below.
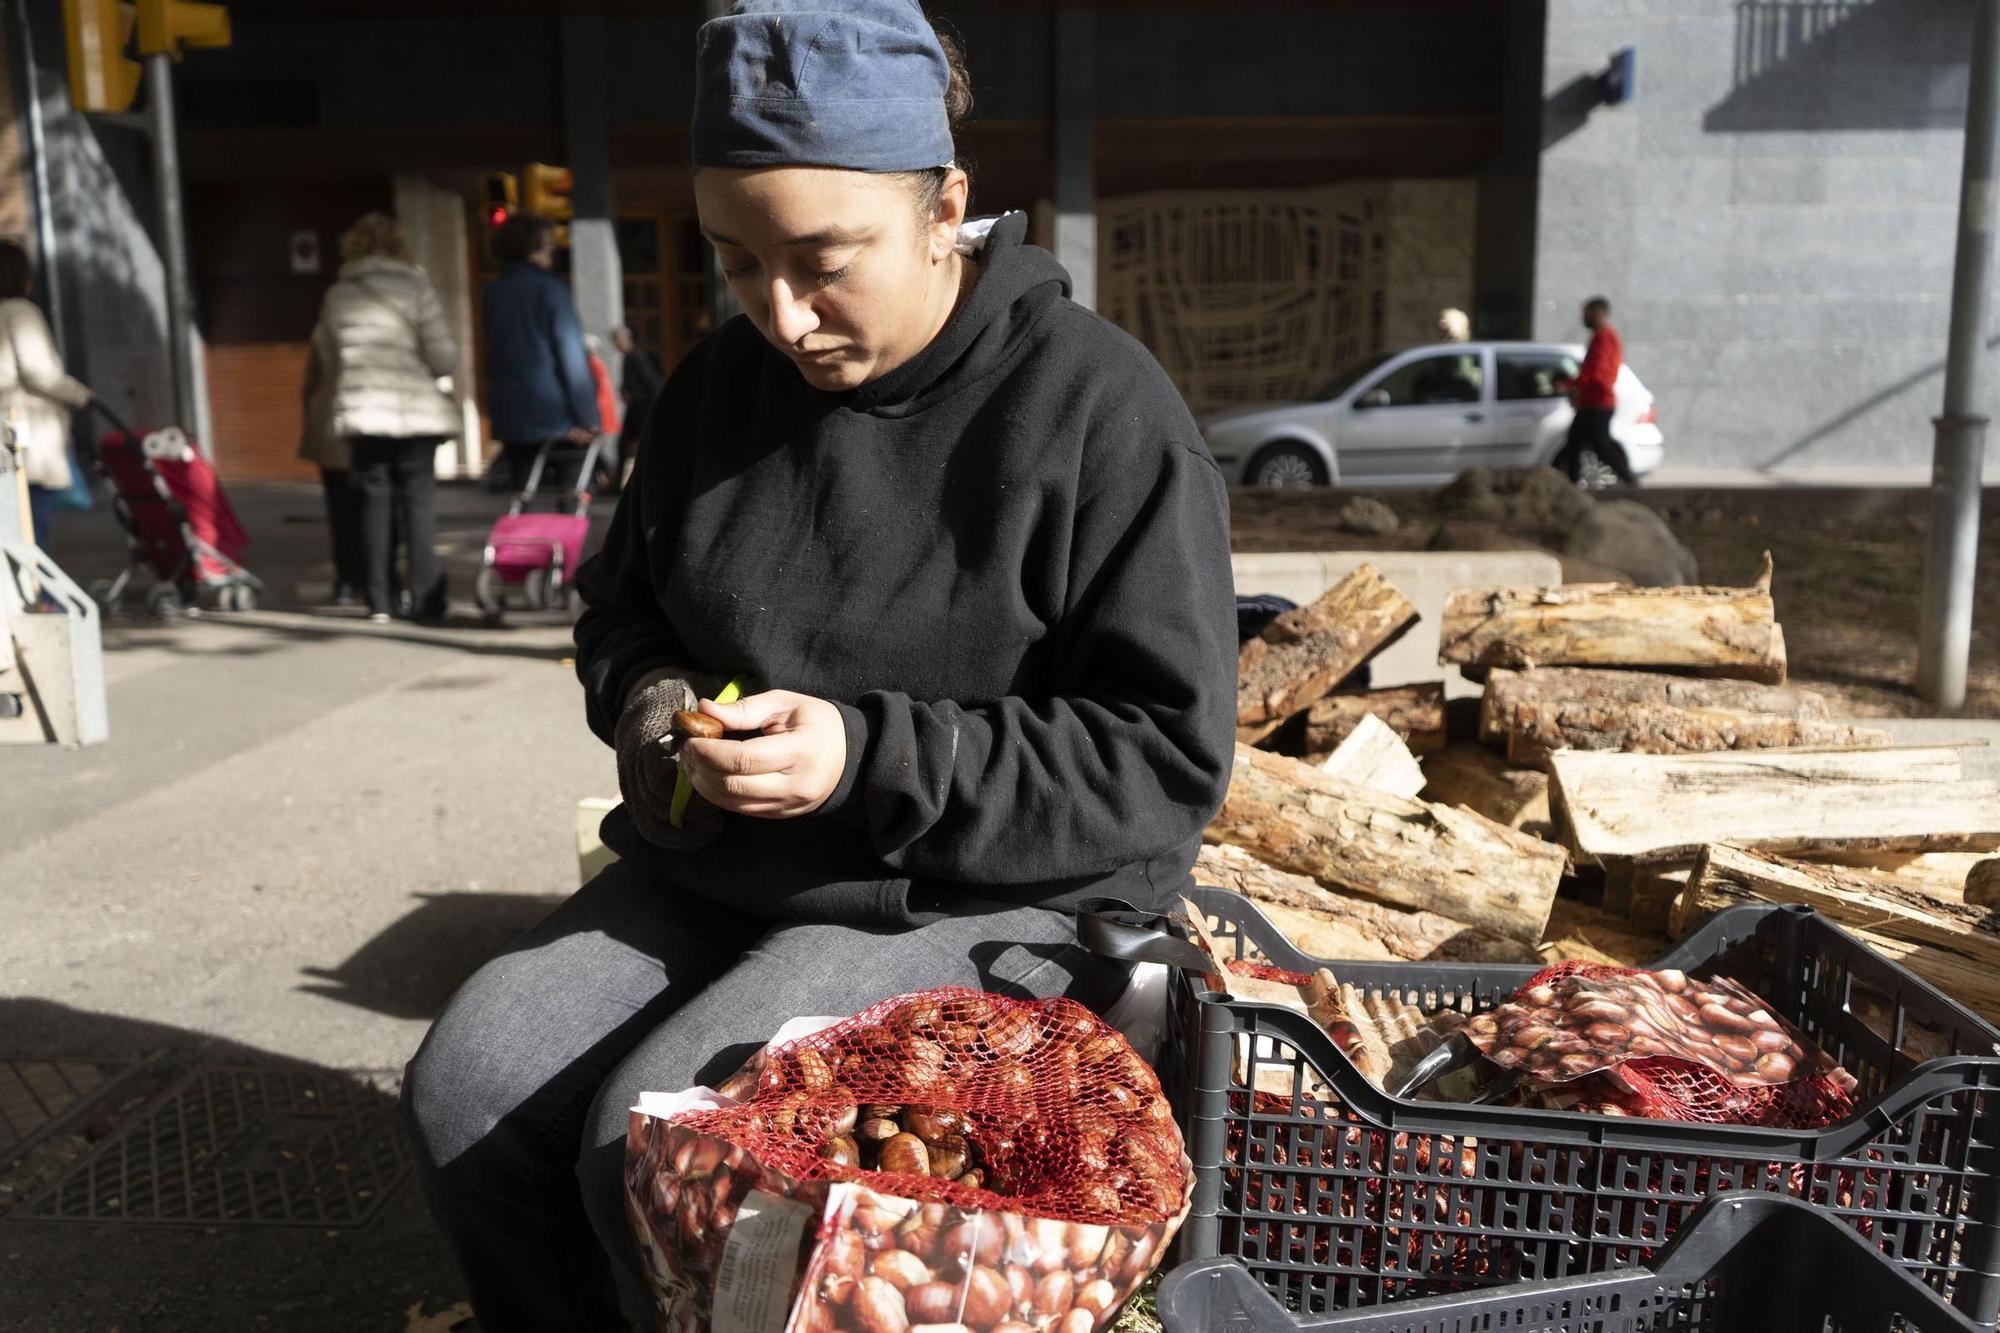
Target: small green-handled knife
x,y
683,788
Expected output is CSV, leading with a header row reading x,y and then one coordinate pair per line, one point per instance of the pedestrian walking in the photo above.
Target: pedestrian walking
x,y
610,421
383,346
538,382
638,386
1594,395
1454,325
36,393
962,535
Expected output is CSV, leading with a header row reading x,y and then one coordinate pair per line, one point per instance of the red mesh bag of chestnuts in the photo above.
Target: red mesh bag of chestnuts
x,y
949,1161
1662,1045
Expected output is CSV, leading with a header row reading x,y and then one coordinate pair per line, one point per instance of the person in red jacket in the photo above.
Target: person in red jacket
x,y
1594,394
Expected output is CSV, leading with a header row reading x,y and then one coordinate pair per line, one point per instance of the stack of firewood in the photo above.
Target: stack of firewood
x,y
1637,763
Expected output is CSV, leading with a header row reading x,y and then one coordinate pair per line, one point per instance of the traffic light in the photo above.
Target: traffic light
x,y
503,199
547,197
101,77
500,199
165,26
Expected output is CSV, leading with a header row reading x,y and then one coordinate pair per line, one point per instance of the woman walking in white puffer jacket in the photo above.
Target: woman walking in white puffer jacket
x,y
383,344
36,394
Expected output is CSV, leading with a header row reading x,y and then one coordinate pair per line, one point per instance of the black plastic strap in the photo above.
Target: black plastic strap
x,y
1116,929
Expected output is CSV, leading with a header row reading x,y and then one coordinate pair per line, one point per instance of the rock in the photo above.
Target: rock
x,y
1536,502
1367,515
1627,536
1461,535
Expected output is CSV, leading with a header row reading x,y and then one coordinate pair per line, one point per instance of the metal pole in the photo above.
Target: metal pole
x,y
45,212
173,236
1958,453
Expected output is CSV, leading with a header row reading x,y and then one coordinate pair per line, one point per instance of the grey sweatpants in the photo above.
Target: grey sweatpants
x,y
517,1098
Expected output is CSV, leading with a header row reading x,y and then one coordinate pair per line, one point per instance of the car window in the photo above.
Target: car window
x,y
1450,377
1520,375
1348,378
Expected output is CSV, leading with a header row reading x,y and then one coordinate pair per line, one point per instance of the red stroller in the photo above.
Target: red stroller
x,y
537,553
178,525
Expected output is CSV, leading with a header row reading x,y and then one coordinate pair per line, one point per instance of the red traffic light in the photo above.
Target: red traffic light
x,y
498,217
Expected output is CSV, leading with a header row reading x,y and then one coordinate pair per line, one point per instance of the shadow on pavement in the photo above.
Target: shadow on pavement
x,y
467,635
413,967
154,1178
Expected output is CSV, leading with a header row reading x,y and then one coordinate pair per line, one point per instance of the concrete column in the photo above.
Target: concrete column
x,y
433,219
595,274
1075,89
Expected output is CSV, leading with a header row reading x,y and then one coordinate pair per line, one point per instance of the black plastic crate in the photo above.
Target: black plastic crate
x,y
1337,1196
1746,1263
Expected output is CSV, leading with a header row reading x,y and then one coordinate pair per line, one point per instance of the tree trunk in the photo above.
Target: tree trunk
x,y
1471,775
1303,654
1954,947
1661,806
1710,631
1326,924
1398,851
1414,712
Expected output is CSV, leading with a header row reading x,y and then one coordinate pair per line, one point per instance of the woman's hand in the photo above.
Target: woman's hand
x,y
787,771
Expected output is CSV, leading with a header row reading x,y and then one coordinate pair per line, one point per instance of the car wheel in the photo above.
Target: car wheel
x,y
1592,473
1287,466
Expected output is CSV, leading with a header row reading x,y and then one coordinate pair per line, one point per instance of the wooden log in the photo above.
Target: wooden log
x,y
1536,712
1953,946
1578,933
1327,924
1399,851
1508,691
1303,654
1656,886
1374,756
1414,712
1662,806
1939,874
1710,631
1470,775
1982,885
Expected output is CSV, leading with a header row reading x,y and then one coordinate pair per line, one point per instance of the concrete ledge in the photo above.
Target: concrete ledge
x,y
1425,577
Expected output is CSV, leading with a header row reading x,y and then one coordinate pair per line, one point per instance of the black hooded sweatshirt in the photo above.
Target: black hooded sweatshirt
x,y
1006,561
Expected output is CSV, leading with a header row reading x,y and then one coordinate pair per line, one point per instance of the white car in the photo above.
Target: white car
x,y
1422,416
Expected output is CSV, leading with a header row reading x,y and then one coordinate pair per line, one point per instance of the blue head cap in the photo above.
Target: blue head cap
x,y
826,83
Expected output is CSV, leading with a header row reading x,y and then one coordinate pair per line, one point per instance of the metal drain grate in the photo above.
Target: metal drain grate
x,y
34,1094
240,1145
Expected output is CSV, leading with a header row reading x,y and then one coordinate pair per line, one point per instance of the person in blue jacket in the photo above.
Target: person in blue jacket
x,y
963,535
538,383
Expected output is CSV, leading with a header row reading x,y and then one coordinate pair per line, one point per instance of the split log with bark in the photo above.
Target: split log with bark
x,y
1405,852
1729,632
1536,712
1302,655
1661,806
1374,756
1471,775
1326,924
1414,712
1953,946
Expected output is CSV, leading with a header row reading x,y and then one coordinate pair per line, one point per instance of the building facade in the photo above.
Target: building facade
x,y
1257,191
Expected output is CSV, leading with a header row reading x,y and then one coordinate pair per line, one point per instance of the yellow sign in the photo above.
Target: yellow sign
x,y
165,26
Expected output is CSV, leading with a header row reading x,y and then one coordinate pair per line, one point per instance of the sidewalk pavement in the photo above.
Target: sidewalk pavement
x,y
227,928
